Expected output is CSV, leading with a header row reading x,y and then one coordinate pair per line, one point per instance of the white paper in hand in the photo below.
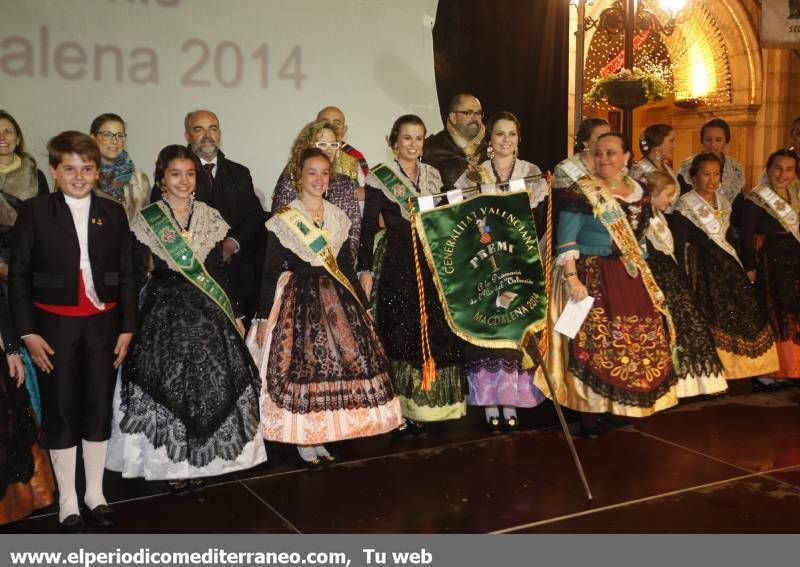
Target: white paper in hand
x,y
573,316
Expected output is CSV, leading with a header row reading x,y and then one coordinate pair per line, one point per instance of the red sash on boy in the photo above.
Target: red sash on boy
x,y
85,307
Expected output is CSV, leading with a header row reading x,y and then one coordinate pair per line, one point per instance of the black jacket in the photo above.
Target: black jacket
x,y
45,259
441,152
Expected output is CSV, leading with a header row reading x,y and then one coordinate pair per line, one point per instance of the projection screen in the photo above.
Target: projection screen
x,y
265,67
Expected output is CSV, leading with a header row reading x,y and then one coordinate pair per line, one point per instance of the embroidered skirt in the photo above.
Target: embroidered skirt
x,y
325,374
620,360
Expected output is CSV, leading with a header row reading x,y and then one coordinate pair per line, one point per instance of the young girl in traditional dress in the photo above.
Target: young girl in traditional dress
x,y
771,254
700,369
325,375
186,406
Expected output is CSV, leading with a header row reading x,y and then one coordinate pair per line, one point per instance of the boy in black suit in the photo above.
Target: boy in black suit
x,y
73,301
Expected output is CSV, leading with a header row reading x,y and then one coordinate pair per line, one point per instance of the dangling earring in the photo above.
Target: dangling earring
x,y
490,152
516,152
657,155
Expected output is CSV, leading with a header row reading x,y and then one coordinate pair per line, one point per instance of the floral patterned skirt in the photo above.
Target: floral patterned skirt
x,y
622,351
325,374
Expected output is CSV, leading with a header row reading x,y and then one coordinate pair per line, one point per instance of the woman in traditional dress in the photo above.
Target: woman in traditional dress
x,y
771,253
20,180
120,179
701,229
582,160
322,135
426,357
699,370
326,377
620,361
496,378
186,406
26,479
715,135
19,175
657,144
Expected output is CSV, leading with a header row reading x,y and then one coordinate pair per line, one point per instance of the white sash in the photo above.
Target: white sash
x,y
572,170
659,235
696,209
779,209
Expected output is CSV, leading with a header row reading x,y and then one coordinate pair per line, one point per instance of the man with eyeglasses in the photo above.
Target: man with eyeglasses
x,y
459,147
228,187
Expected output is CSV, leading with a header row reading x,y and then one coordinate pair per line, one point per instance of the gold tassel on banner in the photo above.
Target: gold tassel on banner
x,y
428,364
548,256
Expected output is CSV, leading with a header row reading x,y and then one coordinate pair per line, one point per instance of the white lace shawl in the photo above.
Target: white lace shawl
x,y
207,227
336,226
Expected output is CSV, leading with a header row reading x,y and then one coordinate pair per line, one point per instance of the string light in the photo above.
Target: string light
x,y
692,62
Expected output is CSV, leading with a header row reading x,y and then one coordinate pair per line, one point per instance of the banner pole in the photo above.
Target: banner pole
x,y
533,350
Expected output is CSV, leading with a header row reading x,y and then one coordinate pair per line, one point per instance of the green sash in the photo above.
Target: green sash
x,y
395,188
314,239
170,239
610,213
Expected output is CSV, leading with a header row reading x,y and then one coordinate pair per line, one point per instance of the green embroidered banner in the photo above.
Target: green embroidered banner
x,y
484,253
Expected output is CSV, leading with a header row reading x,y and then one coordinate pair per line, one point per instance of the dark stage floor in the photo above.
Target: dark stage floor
x,y
730,464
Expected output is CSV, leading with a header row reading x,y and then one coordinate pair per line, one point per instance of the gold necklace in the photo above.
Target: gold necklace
x,y
318,216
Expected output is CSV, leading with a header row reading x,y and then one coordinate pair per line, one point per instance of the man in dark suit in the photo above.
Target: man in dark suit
x,y
460,146
73,302
228,187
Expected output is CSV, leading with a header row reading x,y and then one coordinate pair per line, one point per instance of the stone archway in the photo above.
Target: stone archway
x,y
761,103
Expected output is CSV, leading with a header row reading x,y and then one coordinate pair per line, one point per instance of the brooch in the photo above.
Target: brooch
x,y
97,221
399,190
168,235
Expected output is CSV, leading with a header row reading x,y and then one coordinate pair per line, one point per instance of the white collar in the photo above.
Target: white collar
x,y
75,203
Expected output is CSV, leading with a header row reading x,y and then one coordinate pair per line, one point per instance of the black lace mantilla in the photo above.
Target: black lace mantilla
x,y
726,298
779,283
190,383
697,354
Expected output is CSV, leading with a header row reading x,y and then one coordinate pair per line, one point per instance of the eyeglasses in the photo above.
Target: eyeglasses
x,y
470,113
327,145
8,132
107,136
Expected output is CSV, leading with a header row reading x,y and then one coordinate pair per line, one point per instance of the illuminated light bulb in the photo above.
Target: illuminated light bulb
x,y
672,6
701,76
